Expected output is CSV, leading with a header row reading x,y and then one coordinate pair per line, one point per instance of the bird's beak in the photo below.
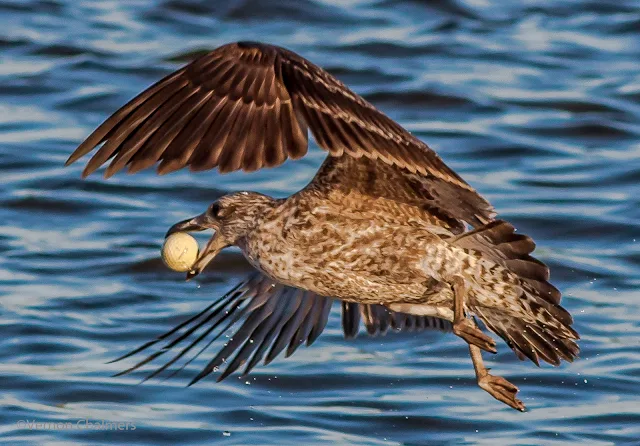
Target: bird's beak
x,y
199,223
215,244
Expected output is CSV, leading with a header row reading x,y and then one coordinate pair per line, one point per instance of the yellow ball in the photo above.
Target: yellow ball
x,y
180,251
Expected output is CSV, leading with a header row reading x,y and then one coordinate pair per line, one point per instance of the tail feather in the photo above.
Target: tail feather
x,y
531,320
566,349
499,242
531,340
529,267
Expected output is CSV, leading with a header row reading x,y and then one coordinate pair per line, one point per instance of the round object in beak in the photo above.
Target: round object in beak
x,y
180,251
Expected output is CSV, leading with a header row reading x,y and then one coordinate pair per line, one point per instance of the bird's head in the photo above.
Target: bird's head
x,y
232,217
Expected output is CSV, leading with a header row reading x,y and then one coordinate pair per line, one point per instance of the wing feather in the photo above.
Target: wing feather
x,y
261,318
378,319
250,105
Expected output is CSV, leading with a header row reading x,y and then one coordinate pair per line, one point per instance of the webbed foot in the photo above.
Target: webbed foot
x,y
502,390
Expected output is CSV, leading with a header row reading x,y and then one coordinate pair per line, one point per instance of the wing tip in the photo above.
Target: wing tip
x,y
72,159
86,172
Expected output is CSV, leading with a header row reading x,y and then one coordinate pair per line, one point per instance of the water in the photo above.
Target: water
x,y
536,103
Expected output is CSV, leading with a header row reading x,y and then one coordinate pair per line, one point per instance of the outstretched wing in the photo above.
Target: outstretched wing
x,y
271,318
246,106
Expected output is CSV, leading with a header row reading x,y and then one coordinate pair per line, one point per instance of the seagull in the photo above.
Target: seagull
x,y
385,226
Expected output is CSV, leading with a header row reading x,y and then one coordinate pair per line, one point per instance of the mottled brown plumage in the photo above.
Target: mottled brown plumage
x,y
383,226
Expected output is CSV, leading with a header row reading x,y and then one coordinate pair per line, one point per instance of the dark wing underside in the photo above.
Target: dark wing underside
x,y
378,319
249,105
261,319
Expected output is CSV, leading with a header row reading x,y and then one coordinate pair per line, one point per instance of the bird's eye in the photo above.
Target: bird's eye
x,y
214,209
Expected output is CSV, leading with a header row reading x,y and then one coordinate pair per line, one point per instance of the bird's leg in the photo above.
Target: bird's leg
x,y
467,329
464,327
496,386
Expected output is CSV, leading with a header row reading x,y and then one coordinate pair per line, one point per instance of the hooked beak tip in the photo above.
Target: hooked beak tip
x,y
191,274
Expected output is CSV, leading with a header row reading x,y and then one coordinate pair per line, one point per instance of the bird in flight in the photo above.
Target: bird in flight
x,y
385,226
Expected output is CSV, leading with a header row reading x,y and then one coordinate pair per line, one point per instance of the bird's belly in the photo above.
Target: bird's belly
x,y
369,264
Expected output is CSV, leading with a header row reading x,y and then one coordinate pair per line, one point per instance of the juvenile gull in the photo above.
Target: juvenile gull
x,y
384,226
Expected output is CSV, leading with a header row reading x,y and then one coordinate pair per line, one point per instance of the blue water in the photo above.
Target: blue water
x,y
536,103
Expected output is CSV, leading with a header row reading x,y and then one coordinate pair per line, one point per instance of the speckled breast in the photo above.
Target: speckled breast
x,y
339,255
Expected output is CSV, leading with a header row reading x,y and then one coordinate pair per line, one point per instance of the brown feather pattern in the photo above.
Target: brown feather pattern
x,y
450,207
254,88
551,340
499,242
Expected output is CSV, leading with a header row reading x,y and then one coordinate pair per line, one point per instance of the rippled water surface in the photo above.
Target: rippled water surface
x,y
536,103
